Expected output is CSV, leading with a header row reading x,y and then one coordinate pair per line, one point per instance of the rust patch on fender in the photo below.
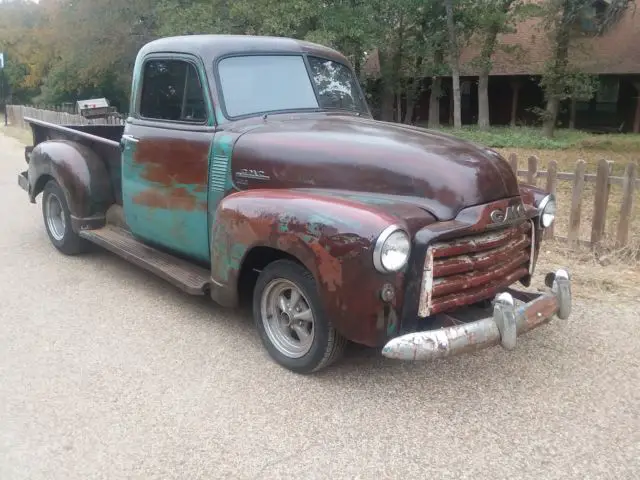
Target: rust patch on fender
x,y
332,237
329,267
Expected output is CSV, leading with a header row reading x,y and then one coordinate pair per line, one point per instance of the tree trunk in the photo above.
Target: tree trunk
x,y
399,106
549,125
483,101
434,102
388,97
515,94
572,116
413,90
560,62
390,69
411,103
488,47
454,62
388,79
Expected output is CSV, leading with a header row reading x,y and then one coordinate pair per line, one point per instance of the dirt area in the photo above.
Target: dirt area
x,y
23,135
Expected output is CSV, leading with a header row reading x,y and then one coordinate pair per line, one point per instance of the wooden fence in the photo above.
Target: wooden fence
x,y
603,180
59,115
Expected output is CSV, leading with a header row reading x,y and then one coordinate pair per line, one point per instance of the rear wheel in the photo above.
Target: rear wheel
x,y
291,321
57,221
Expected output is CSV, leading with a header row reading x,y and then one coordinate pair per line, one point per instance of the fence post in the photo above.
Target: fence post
x,y
552,182
600,203
513,161
532,170
576,203
628,190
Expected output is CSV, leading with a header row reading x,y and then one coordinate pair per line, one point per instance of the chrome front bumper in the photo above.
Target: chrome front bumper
x,y
23,181
511,318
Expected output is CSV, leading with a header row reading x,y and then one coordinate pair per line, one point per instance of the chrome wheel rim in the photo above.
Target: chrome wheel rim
x,y
56,222
287,318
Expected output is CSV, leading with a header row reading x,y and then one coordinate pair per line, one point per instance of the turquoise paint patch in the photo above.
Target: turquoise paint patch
x,y
224,258
320,219
307,238
180,230
219,115
391,329
219,171
237,254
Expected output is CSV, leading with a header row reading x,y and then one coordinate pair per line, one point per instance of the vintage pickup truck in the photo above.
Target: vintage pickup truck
x,y
252,166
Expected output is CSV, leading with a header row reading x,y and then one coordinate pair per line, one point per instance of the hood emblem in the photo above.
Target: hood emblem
x,y
511,214
251,174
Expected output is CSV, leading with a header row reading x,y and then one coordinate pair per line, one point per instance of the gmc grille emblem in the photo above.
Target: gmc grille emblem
x,y
511,214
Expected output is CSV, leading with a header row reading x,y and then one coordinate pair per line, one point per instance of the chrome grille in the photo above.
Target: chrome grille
x,y
469,269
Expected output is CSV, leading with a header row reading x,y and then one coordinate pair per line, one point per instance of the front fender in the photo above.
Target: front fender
x,y
332,237
80,173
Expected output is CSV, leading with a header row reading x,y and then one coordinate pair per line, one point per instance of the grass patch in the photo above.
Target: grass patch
x,y
532,138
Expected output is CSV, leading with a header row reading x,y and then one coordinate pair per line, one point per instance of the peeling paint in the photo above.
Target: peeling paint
x,y
473,268
338,255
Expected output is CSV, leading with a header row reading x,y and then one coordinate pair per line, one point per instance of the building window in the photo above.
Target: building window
x,y
608,89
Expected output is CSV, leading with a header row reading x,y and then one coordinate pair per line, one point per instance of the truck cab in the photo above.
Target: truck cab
x,y
252,165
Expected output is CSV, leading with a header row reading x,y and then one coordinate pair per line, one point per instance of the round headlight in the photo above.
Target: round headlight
x,y
547,211
392,249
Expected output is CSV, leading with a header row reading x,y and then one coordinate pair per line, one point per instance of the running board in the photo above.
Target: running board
x,y
190,278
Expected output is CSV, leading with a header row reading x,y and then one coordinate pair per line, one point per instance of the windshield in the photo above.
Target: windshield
x,y
267,83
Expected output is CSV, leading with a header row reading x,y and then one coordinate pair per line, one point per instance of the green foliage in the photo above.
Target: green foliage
x,y
61,50
560,80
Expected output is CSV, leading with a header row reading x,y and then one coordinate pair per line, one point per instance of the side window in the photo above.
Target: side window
x,y
171,90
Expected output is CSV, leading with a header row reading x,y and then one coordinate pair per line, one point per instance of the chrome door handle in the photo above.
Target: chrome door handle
x,y
130,138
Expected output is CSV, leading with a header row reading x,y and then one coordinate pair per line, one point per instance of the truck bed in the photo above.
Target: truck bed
x,y
104,140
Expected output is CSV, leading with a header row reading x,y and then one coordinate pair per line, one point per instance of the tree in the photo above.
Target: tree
x,y
25,41
454,63
493,18
95,46
561,79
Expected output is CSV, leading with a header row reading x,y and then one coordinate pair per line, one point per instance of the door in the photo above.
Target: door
x,y
165,164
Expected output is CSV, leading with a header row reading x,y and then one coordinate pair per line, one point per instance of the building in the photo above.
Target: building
x,y
614,57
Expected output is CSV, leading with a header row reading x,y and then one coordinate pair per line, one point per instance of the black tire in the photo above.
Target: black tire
x,y
65,240
327,344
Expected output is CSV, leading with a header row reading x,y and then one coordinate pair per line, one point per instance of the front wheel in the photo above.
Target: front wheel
x,y
57,221
291,321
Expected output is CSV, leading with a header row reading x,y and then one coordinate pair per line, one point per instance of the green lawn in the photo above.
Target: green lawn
x,y
532,138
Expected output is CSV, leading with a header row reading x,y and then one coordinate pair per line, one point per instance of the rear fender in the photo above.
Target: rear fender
x,y
80,173
333,238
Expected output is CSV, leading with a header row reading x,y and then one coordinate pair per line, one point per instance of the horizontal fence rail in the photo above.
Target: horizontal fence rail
x,y
603,180
17,113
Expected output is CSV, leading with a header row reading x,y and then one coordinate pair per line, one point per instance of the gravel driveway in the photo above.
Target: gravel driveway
x,y
108,372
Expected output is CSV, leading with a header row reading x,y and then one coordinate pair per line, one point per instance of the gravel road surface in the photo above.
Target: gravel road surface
x,y
107,372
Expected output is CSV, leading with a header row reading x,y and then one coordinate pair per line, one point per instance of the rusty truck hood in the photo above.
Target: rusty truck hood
x,y
370,161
